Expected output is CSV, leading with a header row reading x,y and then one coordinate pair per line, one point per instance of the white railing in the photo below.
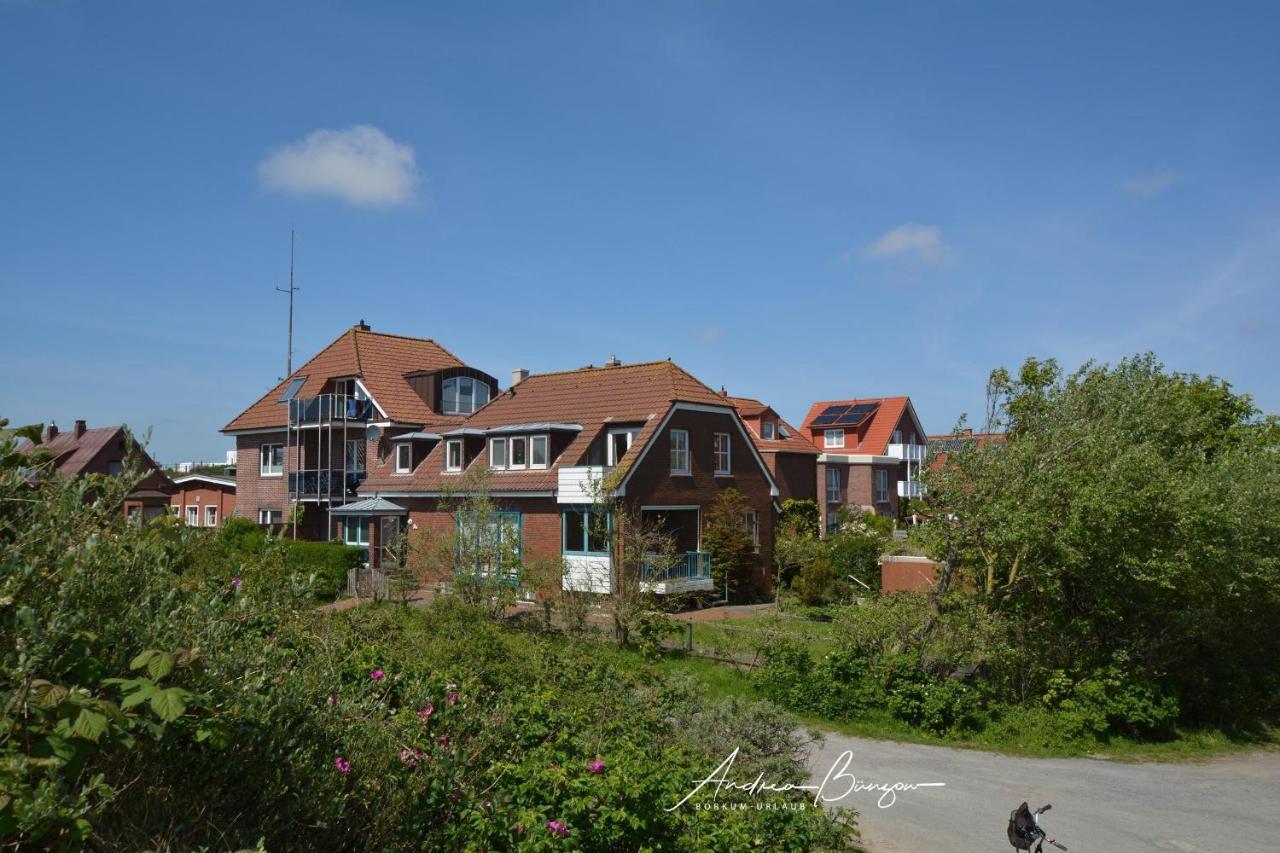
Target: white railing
x,y
910,489
580,484
909,452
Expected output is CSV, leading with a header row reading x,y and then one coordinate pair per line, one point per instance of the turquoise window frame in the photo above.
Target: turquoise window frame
x,y
587,513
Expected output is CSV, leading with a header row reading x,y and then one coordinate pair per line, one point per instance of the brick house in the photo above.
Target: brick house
x,y
790,456
203,500
105,450
667,443
307,442
871,450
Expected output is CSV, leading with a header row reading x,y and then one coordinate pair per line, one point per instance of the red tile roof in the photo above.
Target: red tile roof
x,y
873,435
753,412
379,359
594,397
72,454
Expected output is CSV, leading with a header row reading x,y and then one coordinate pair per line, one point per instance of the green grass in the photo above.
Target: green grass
x,y
723,680
744,634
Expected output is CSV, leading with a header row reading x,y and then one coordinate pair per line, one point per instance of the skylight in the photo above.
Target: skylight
x,y
295,385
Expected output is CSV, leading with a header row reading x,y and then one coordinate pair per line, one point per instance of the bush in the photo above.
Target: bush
x,y
152,706
327,562
936,705
815,581
1111,701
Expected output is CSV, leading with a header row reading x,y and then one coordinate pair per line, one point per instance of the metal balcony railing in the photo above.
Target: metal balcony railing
x,y
908,452
692,565
321,484
910,489
326,408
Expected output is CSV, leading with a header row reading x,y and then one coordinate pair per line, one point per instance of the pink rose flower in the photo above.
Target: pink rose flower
x,y
443,740
596,766
425,712
557,828
344,766
377,675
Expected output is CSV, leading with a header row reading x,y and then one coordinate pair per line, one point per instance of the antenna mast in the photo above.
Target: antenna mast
x,y
290,290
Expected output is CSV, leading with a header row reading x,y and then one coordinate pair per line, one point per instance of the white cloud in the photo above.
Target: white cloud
x,y
360,165
922,242
1151,184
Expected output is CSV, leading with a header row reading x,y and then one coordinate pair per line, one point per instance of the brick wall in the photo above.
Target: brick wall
x,y
196,493
254,491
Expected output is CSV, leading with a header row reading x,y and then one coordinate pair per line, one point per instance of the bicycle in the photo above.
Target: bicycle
x,y
1025,832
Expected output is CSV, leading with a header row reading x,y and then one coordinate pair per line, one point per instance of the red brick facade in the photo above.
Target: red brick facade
x,y
201,494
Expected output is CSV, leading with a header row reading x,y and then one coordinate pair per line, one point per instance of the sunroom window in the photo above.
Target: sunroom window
x,y
462,395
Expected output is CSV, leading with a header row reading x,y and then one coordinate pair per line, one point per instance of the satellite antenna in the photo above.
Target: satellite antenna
x,y
290,290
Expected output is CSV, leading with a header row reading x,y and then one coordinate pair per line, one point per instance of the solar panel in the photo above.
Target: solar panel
x,y
824,419
835,410
857,414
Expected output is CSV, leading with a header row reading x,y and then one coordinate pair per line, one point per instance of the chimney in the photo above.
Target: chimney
x,y
518,375
79,428
613,362
50,432
968,431
362,326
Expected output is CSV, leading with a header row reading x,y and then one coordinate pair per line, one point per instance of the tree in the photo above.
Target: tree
x,y
1131,515
726,535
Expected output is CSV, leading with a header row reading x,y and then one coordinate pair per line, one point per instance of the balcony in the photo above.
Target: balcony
x,y
910,489
580,484
691,572
907,452
327,408
324,485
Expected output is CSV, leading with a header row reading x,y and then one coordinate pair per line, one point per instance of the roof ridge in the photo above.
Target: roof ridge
x,y
414,338
592,368
355,345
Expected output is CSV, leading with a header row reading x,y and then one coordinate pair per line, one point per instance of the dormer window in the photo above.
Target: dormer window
x,y
497,453
453,455
347,386
462,395
619,443
519,452
404,458
767,430
538,451
833,438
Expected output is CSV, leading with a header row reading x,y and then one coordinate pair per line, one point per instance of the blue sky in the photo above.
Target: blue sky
x,y
798,201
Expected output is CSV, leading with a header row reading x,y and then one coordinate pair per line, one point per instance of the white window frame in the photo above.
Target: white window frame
x,y
449,445
752,518
175,510
723,446
680,451
882,486
264,516
523,441
545,441
407,467
631,433
506,455
833,438
833,481
192,515
210,510
264,467
767,430
897,437
362,456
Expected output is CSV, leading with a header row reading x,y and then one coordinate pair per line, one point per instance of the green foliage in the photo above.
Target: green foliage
x,y
725,534
153,702
327,563
1131,512
815,582
650,628
799,517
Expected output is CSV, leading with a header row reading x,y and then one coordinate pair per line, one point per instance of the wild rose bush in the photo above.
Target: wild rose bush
x,y
153,704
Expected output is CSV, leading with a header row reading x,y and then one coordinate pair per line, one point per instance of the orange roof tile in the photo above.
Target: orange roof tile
x,y
752,411
594,397
873,434
379,359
